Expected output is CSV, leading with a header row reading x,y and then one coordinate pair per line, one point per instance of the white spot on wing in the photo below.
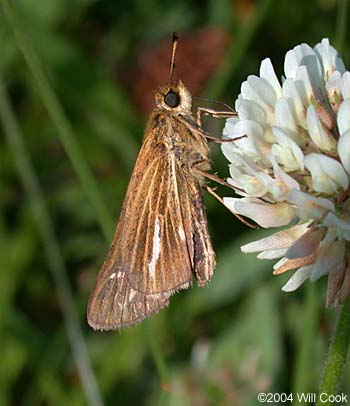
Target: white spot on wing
x,y
112,276
132,294
155,250
181,232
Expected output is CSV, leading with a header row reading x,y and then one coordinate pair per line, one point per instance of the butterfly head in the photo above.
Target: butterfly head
x,y
174,97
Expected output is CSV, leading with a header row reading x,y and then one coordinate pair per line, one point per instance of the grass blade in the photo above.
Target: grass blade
x,y
54,257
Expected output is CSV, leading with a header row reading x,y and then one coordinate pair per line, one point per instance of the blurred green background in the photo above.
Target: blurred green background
x,y
220,345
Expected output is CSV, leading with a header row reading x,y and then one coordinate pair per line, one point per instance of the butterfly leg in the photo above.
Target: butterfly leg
x,y
202,111
222,140
212,176
240,218
196,166
215,178
194,127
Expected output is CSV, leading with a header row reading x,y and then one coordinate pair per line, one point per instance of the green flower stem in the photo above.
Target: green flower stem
x,y
302,373
334,368
237,50
68,138
64,128
54,257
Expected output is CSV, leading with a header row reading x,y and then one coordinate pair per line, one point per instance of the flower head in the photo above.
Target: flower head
x,y
292,165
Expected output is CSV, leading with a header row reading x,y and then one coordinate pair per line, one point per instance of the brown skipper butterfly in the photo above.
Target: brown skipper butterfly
x,y
161,240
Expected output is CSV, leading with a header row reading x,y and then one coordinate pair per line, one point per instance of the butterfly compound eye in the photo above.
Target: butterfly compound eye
x,y
172,99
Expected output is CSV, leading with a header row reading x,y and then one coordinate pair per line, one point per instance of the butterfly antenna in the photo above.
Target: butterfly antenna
x,y
216,102
173,52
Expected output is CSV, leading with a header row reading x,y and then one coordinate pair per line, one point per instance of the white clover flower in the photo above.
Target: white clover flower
x,y
293,165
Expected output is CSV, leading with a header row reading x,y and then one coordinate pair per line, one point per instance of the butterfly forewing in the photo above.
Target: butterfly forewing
x,y
157,254
162,239
115,304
